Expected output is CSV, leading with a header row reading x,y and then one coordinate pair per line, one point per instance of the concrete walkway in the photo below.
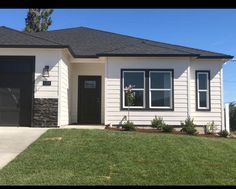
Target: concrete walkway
x,y
14,140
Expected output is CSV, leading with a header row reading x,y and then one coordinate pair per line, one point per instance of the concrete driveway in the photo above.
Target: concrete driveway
x,y
14,140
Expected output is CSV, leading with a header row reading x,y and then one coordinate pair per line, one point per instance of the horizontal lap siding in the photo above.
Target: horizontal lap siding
x,y
114,115
52,60
47,91
65,91
203,117
43,57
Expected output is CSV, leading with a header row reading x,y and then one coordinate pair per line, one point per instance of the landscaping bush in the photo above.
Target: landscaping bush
x,y
223,133
191,130
158,123
167,128
188,126
210,127
128,126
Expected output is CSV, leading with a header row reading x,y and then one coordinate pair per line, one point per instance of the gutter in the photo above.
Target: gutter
x,y
198,56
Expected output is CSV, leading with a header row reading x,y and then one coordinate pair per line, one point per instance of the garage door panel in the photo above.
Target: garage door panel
x,y
16,90
9,105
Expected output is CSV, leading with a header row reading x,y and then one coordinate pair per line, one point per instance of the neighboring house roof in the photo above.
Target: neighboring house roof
x,y
87,42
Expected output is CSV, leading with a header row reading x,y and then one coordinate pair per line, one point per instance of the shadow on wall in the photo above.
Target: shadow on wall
x,y
123,120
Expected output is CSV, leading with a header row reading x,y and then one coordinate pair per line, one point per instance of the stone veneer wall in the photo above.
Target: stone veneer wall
x,y
45,112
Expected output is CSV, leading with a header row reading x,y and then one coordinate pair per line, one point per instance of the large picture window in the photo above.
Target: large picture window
x,y
153,89
160,89
202,90
137,80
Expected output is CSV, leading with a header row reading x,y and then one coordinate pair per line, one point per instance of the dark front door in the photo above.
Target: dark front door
x,y
89,99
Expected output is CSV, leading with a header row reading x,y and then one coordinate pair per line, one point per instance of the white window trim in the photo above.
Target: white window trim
x,y
136,89
203,90
170,89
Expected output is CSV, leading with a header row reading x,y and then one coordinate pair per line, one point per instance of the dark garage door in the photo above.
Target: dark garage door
x,y
16,90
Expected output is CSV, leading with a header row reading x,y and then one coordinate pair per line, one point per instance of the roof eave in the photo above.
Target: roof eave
x,y
149,55
198,56
216,57
33,46
84,56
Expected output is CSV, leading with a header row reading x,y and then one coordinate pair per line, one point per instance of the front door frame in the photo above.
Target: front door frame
x,y
98,78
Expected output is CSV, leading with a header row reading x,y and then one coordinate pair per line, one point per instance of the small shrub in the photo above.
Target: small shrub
x,y
188,126
223,133
190,130
167,128
128,126
158,123
210,127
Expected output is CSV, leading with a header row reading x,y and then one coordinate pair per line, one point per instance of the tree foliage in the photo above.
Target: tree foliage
x,y
130,95
38,20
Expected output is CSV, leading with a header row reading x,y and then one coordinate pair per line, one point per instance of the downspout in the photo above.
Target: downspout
x,y
222,99
59,94
189,88
105,90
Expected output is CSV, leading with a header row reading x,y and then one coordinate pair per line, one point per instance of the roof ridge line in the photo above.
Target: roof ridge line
x,y
188,47
142,40
153,41
171,48
62,29
25,33
149,45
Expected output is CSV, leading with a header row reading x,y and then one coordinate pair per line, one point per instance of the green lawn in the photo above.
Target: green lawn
x,y
102,157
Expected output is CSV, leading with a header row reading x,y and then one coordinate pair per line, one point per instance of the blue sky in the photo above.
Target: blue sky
x,y
209,29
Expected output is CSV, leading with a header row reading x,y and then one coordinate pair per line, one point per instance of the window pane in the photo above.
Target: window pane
x,y
202,78
89,84
134,78
160,98
160,80
138,98
203,99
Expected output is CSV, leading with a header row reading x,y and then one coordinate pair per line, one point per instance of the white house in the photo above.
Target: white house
x,y
79,75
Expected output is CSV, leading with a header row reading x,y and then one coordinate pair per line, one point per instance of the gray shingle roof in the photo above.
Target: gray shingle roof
x,y
87,42
13,38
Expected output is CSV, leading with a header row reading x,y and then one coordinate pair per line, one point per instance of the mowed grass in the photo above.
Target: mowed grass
x,y
102,157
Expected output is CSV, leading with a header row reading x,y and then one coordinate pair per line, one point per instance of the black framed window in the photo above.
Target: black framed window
x,y
137,80
160,89
203,90
153,89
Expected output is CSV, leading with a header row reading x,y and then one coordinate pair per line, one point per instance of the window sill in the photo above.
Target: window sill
x,y
148,109
203,110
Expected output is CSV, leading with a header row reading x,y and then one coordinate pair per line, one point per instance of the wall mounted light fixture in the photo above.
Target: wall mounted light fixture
x,y
46,71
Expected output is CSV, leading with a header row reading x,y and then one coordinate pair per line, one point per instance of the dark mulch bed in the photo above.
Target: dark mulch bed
x,y
159,131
